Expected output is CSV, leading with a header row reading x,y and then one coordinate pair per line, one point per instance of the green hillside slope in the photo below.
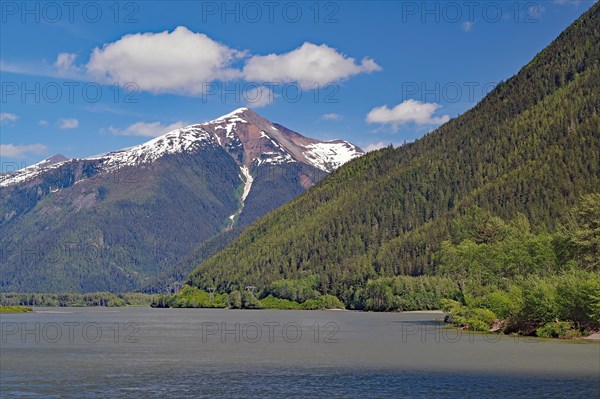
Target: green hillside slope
x,y
532,146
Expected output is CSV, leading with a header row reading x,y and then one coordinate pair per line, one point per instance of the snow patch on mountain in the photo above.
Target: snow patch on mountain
x,y
187,139
228,123
247,183
330,155
278,148
273,158
232,114
230,126
248,180
30,172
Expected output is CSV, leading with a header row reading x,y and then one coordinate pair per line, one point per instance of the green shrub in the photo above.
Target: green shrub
x,y
193,297
14,309
249,301
271,302
297,290
476,319
163,301
235,300
572,334
479,319
379,296
504,304
406,293
539,300
577,296
474,324
595,307
555,329
322,303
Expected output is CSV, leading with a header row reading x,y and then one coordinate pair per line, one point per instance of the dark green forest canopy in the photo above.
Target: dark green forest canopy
x,y
531,147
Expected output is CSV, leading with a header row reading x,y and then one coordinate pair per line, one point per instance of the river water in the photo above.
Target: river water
x,y
159,353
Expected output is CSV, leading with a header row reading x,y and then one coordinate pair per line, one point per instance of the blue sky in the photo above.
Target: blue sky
x,y
88,78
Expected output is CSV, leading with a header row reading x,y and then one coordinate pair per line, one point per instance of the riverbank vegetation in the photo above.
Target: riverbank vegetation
x,y
492,275
14,309
300,294
404,293
91,299
513,280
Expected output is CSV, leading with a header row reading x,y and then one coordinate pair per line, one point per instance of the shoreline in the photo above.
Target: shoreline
x,y
592,338
9,309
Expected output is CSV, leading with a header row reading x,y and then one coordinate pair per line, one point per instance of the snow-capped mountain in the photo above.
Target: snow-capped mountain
x,y
243,133
265,142
176,191
30,172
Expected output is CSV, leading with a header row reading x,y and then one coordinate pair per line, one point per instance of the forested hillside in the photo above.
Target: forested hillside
x,y
142,218
531,147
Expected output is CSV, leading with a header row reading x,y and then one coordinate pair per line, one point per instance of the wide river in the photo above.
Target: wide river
x,y
161,353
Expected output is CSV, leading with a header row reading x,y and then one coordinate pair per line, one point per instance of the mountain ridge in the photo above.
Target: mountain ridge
x,y
210,133
128,216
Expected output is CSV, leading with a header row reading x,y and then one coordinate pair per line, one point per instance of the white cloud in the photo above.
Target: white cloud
x,y
43,122
563,2
331,117
383,144
188,63
69,123
467,26
22,151
375,146
408,111
180,62
306,65
146,129
65,63
59,69
259,96
7,118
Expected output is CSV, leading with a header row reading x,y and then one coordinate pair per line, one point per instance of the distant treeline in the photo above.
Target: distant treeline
x,y
282,295
91,299
400,293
